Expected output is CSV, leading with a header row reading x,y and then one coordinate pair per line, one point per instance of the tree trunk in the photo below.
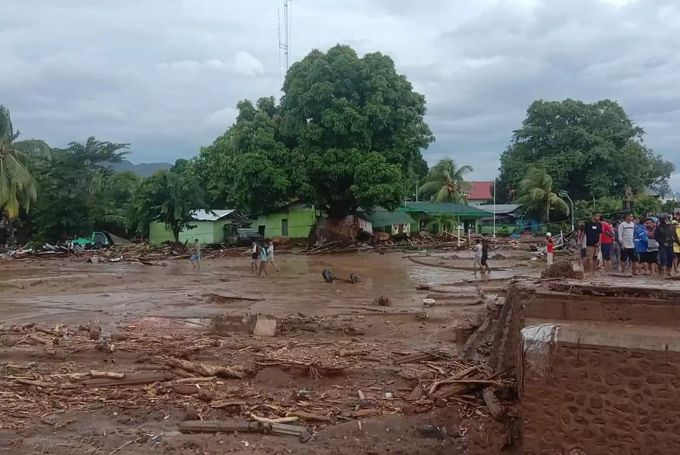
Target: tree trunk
x,y
11,230
175,233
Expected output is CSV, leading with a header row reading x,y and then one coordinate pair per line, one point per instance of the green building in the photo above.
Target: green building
x,y
436,217
294,221
209,227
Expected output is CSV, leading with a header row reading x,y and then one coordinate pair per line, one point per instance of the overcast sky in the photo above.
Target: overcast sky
x,y
165,75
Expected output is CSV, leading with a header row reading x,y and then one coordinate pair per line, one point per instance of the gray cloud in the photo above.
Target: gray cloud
x,y
165,75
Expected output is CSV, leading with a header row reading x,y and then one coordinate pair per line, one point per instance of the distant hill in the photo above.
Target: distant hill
x,y
141,169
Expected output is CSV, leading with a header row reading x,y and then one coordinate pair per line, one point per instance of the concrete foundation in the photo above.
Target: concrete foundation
x,y
597,374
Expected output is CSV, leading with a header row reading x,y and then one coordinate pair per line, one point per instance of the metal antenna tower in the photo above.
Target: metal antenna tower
x,y
285,40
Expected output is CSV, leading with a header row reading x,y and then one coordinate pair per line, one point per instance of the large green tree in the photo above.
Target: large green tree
x,y
538,195
343,113
590,150
72,187
445,182
168,196
17,185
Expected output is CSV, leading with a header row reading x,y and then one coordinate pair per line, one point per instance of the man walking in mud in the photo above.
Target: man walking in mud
x,y
593,233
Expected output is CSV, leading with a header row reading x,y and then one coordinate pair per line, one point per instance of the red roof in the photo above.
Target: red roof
x,y
481,191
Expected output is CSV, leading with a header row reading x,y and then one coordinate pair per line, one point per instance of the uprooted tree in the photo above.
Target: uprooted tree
x,y
348,133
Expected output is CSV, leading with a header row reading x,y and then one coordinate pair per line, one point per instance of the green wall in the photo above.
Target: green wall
x,y
207,232
300,222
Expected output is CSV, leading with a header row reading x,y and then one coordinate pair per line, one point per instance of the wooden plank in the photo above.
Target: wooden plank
x,y
131,379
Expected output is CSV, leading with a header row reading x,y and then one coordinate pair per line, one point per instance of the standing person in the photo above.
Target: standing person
x,y
652,262
263,260
616,249
196,255
641,243
485,256
581,242
478,256
593,232
549,248
606,241
626,238
254,255
676,245
270,255
667,238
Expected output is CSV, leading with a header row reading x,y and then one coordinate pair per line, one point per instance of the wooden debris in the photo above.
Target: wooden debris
x,y
493,403
206,370
33,382
230,426
311,416
415,358
106,374
220,404
131,379
39,339
278,420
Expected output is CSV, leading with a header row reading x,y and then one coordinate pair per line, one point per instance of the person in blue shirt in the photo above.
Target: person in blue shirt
x,y
641,241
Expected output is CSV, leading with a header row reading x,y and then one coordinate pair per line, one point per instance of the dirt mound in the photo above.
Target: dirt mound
x,y
562,269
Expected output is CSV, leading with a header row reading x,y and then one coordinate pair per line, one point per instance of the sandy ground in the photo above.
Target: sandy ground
x,y
332,342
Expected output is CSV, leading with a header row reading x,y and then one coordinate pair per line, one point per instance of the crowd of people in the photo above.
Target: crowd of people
x,y
642,246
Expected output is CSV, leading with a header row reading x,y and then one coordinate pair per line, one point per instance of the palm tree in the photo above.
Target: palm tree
x,y
536,193
17,187
446,182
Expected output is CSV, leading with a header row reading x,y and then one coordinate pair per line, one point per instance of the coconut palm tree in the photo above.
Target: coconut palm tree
x,y
446,182
17,187
536,194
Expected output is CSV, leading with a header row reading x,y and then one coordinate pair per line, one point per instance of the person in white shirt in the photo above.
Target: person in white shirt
x,y
270,255
626,240
478,249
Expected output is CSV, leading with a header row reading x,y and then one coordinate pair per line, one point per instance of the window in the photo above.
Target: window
x,y
284,227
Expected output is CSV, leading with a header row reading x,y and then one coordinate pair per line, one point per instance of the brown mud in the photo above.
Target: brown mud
x,y
360,376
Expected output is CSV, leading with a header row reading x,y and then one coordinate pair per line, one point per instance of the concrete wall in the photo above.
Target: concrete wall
x,y
602,400
207,232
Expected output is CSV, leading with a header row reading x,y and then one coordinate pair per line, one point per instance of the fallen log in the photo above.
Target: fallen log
x,y
34,382
138,379
493,403
454,378
206,370
106,374
311,416
272,421
220,404
231,426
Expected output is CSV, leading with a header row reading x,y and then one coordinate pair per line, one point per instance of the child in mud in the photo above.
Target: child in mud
x,y
264,257
549,248
270,255
254,254
485,256
478,249
196,255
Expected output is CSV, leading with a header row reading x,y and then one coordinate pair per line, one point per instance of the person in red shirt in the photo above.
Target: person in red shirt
x,y
549,248
606,242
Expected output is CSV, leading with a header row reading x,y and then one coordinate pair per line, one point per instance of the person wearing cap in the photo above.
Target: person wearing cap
x,y
549,248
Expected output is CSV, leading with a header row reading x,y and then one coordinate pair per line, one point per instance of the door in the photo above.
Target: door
x,y
284,227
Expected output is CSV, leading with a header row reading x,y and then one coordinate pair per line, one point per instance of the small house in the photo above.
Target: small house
x,y
208,226
479,193
295,221
436,217
392,222
505,219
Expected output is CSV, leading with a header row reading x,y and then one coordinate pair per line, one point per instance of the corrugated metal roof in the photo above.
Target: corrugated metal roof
x,y
500,208
448,208
384,218
210,215
480,191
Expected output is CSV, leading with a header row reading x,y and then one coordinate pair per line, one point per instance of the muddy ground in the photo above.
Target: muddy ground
x,y
355,373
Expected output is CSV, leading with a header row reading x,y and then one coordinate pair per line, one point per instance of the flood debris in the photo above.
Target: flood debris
x,y
244,426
